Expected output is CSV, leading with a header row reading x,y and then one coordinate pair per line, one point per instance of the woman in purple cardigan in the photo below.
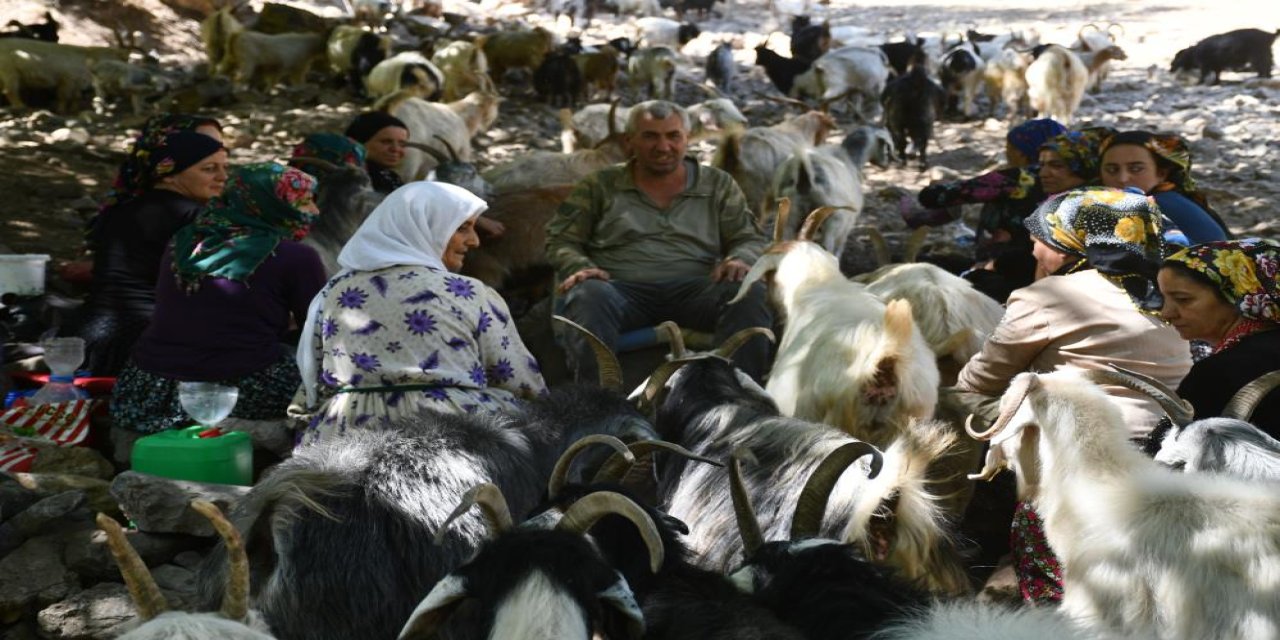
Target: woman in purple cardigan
x,y
238,280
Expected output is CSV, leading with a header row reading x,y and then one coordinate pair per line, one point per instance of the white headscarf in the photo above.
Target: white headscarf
x,y
412,226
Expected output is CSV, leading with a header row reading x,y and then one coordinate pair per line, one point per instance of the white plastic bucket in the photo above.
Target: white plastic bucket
x,y
22,273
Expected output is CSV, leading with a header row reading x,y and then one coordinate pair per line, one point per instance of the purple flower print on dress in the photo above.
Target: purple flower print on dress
x,y
477,374
460,288
408,275
485,322
365,361
380,284
329,328
352,298
437,394
502,317
431,362
457,343
533,365
369,329
426,295
502,371
327,377
420,322
393,346
506,341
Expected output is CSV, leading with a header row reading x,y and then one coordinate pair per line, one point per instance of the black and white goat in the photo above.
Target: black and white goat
x,y
345,197
1227,444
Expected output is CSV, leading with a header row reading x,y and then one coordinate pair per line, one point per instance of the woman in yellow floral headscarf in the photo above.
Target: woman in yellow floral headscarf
x,y
1226,294
1094,307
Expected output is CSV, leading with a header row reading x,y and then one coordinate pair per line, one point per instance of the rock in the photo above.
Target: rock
x,y
88,555
101,611
1212,132
41,517
189,560
177,579
33,576
78,135
161,505
80,461
14,497
97,492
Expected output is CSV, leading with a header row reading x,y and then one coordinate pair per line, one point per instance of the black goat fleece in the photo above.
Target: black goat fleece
x,y
1234,50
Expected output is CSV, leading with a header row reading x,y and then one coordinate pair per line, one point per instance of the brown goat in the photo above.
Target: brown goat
x,y
515,263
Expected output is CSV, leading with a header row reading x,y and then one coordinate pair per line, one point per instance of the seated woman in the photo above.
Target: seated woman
x,y
239,278
397,331
384,137
1160,166
162,186
343,193
1226,293
1098,306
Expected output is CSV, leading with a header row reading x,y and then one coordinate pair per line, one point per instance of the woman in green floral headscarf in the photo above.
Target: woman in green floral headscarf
x,y
1226,293
345,194
232,285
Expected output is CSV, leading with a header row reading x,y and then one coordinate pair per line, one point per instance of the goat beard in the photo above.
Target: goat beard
x,y
883,387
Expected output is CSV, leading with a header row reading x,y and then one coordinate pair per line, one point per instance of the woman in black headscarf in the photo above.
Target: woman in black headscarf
x,y
384,137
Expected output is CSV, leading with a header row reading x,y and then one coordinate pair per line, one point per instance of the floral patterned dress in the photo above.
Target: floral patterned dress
x,y
397,340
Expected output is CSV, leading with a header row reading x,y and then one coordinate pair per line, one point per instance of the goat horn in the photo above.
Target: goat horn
x,y
560,474
675,338
915,242
658,380
748,524
1115,25
492,504
1080,33
812,505
780,219
1021,390
319,162
430,150
616,468
735,341
1179,410
235,603
142,587
453,154
878,246
586,512
1245,400
813,222
606,361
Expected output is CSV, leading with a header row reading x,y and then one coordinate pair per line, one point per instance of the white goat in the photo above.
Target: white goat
x,y
439,126
1144,550
388,76
663,32
116,79
1056,82
655,69
216,31
1095,40
36,64
1226,444
464,67
845,359
264,58
856,74
1006,82
962,620
962,71
753,156
1098,62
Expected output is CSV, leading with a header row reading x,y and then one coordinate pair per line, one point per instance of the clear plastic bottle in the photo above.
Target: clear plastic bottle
x,y
59,388
62,355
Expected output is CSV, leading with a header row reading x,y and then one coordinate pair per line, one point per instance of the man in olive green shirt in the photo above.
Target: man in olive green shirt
x,y
660,237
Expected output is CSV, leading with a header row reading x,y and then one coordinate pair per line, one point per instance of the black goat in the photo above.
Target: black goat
x,y
47,31
345,198
366,55
809,41
624,45
912,103
902,54
782,71
558,81
1232,50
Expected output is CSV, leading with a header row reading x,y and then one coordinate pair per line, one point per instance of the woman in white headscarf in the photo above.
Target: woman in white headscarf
x,y
398,330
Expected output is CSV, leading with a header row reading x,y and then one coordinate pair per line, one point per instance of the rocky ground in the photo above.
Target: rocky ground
x,y
56,579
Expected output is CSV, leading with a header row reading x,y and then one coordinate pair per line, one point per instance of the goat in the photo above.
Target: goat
x,y
507,50
545,168
36,64
962,72
216,31
1055,83
113,78
465,70
1006,82
235,621
589,126
355,52
263,59
902,55
1097,62
345,197
782,71
845,358
1144,550
1226,444
515,262
831,175
712,409
1089,43
809,41
599,70
912,103
857,74
720,67
46,31
536,583
558,81
1231,50
961,620
409,72
432,124
664,32
752,156
655,69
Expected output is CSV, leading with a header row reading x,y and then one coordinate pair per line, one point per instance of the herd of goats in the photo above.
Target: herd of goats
x,y
702,505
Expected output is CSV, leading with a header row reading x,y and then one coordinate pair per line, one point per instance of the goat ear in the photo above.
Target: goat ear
x,y
621,610
435,609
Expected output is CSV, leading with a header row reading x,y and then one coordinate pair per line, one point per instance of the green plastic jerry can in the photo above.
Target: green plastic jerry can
x,y
198,453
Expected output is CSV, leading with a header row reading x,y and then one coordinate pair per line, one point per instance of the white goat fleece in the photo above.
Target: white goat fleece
x,y
1144,550
978,621
830,180
757,153
181,625
1056,82
942,305
537,609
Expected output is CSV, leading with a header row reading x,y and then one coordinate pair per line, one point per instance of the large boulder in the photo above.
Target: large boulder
x,y
80,461
162,505
33,577
101,611
42,517
14,498
96,491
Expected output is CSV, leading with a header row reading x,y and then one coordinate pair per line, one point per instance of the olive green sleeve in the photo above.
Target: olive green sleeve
x,y
740,235
571,228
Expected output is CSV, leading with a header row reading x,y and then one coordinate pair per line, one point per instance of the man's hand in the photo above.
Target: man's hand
x,y
590,273
730,270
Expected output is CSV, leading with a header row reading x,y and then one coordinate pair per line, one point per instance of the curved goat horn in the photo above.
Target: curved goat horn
x,y
675,338
915,242
780,219
735,341
1178,410
560,474
235,602
1245,400
492,504
813,222
658,380
453,154
811,506
1080,33
878,246
435,153
1021,390
606,361
1115,25
586,512
142,587
748,524
617,466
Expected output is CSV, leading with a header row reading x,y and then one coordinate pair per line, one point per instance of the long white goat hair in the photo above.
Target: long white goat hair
x,y
845,358
954,317
1143,549
1221,445
1056,82
819,177
978,621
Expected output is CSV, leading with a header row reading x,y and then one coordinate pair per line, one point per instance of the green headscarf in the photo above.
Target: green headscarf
x,y
242,227
333,148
